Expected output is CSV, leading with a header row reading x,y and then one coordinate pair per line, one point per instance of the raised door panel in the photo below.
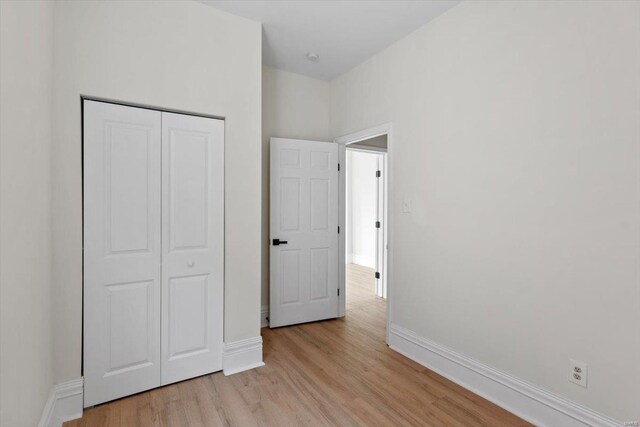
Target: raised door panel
x,y
127,165
129,321
290,204
320,206
320,270
290,277
193,236
188,315
289,158
188,179
121,251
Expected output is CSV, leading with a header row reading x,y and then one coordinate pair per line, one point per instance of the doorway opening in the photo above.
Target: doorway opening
x,y
364,278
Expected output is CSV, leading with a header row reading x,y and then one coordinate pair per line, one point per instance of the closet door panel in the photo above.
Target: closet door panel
x,y
122,250
193,245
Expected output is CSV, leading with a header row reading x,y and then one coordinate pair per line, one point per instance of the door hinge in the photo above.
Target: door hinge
x,y
338,229
377,224
378,174
338,167
377,275
338,291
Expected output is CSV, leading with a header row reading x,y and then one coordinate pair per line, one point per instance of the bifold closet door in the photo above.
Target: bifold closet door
x,y
153,248
122,250
193,245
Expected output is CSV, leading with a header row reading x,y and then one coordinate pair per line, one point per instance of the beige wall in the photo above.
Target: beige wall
x,y
26,30
180,55
293,106
516,138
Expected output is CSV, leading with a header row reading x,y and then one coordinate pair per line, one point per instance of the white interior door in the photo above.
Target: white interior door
x,y
304,231
380,226
193,245
122,251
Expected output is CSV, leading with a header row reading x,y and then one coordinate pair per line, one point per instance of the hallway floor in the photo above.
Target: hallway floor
x,y
336,372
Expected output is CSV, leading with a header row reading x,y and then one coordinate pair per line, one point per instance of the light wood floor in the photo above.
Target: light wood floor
x,y
337,372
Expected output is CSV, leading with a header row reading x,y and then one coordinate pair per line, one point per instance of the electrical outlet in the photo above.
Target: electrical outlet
x,y
578,373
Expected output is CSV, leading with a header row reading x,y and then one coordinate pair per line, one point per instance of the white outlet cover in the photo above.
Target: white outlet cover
x,y
578,373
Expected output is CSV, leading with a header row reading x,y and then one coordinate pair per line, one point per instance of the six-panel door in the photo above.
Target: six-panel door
x,y
153,248
304,214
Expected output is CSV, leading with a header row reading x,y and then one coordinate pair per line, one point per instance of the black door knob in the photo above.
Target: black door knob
x,y
278,242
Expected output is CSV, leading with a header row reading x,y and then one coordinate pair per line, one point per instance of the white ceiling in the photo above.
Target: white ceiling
x,y
343,33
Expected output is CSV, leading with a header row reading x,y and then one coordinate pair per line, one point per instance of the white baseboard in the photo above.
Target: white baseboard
x,y
242,355
64,404
264,316
529,402
365,261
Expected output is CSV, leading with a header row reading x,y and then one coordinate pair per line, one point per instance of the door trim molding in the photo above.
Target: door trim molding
x,y
529,402
242,355
64,404
343,141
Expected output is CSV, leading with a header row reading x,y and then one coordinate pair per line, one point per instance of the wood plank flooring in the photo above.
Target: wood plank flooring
x,y
337,372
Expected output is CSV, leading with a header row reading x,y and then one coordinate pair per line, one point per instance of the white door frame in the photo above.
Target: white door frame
x,y
343,141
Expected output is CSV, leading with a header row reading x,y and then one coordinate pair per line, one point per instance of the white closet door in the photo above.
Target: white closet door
x,y
122,251
193,245
304,231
